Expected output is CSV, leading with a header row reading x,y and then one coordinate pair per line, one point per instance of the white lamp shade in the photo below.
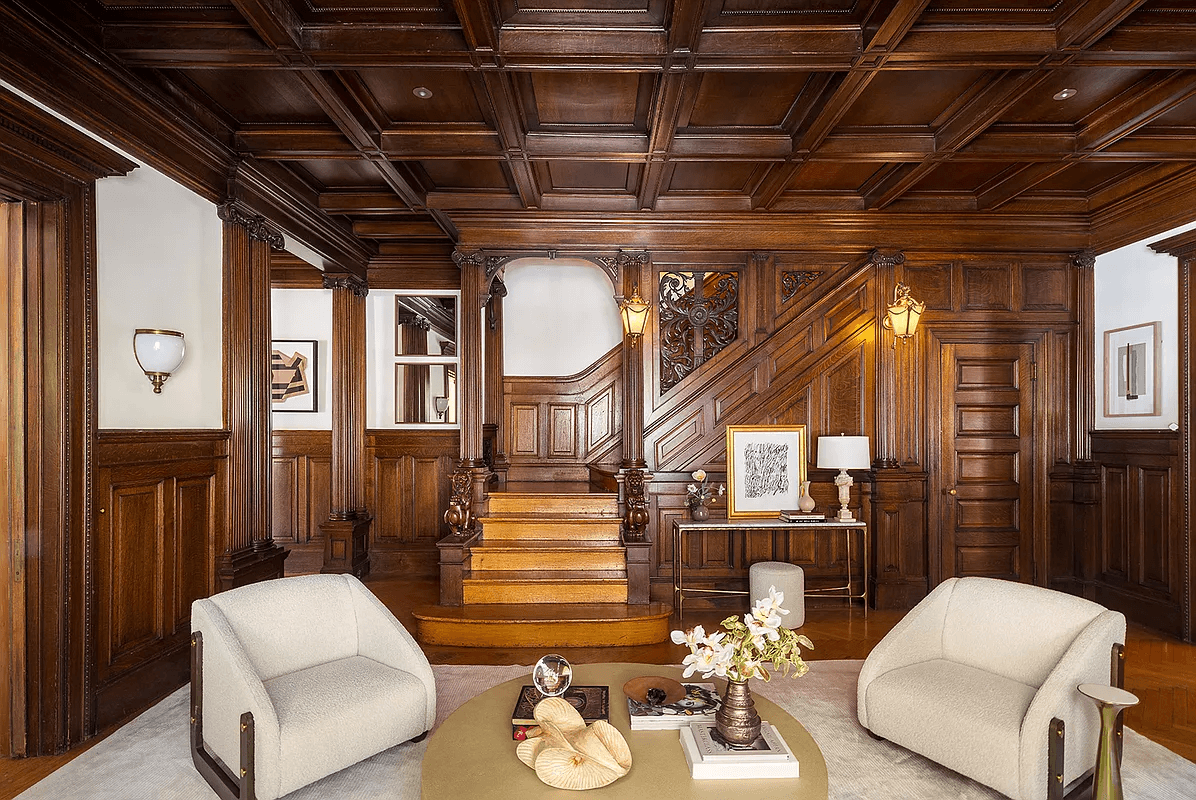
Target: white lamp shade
x,y
843,452
158,351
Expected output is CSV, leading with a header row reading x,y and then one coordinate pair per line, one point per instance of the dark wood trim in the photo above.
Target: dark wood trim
x,y
1183,247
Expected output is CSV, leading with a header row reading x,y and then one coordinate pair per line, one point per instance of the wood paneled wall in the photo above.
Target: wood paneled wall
x,y
407,491
302,478
160,519
1137,551
556,426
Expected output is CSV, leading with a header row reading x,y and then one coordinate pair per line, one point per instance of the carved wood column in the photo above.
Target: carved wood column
x,y
494,424
892,403
346,531
1183,247
250,554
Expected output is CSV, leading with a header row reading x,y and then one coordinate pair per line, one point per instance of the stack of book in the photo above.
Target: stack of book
x,y
710,758
798,516
700,703
592,702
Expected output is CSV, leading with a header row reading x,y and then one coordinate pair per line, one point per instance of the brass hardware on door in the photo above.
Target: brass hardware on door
x,y
951,491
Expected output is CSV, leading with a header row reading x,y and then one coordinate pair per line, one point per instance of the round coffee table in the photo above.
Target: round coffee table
x,y
472,754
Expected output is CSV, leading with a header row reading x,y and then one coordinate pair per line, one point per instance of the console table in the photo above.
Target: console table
x,y
830,527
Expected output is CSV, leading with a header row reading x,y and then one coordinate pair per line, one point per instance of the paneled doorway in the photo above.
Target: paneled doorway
x,y
984,482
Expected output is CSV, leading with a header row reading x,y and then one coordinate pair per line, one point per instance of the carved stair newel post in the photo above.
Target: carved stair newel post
x,y
250,553
469,478
346,531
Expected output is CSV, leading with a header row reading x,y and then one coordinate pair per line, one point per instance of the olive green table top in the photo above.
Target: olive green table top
x,y
471,755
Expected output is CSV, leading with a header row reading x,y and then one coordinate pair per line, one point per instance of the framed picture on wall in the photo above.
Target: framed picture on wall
x,y
766,465
1133,380
294,375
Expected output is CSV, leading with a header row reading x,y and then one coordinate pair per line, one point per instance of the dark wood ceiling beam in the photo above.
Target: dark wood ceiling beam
x,y
292,142
1017,182
589,146
398,229
504,110
732,146
479,23
895,26
984,107
1137,108
1091,20
181,46
1145,213
887,186
571,42
841,231
451,201
1139,181
676,94
361,203
897,146
442,141
273,20
685,25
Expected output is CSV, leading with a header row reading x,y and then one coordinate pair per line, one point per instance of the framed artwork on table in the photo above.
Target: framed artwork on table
x,y
294,375
766,465
1133,380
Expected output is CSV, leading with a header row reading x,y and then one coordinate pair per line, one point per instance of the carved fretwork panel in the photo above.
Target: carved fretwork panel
x,y
699,316
793,281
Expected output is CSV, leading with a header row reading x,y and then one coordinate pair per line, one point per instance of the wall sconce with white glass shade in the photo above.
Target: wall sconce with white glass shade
x,y
843,453
442,404
903,314
634,312
158,353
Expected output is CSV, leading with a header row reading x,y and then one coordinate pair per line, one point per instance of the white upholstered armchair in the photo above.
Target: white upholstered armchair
x,y
297,678
981,677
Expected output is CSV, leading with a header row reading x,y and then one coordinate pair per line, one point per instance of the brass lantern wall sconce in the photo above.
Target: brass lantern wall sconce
x,y
903,314
634,312
158,353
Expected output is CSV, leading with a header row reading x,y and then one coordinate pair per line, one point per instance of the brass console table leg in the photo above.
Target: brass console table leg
x,y
1111,701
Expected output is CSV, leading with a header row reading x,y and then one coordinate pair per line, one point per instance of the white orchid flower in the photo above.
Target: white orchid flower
x,y
776,598
699,475
701,660
761,628
691,489
694,637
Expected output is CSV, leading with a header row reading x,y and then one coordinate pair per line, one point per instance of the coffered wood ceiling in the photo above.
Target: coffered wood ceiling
x,y
697,110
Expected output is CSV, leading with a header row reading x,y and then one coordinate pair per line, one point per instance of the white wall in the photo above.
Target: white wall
x,y
559,316
306,314
158,265
1135,285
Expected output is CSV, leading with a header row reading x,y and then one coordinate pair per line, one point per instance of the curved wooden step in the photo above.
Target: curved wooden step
x,y
546,554
561,625
551,586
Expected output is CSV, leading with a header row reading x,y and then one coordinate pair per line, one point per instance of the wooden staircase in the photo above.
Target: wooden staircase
x,y
549,570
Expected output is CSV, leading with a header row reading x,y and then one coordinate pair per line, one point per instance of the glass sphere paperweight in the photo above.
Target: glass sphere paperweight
x,y
552,675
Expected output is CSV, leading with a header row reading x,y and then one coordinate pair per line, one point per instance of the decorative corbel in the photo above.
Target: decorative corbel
x,y
344,280
233,212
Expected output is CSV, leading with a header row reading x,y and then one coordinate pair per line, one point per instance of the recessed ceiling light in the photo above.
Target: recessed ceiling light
x,y
423,92
1064,94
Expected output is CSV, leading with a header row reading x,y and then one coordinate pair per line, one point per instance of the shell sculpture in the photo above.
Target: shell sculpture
x,y
568,754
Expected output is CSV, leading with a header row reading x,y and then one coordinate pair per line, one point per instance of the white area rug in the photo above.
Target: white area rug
x,y
149,757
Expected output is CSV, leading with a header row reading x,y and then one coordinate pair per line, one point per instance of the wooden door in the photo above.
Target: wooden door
x,y
985,475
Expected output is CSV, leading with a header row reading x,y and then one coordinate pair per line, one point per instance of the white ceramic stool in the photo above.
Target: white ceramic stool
x,y
787,578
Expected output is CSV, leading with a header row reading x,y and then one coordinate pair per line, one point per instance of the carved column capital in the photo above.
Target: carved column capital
x,y
885,260
413,319
1085,259
344,280
232,212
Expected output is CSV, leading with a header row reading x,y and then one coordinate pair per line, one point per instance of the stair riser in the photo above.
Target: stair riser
x,y
498,530
563,633
491,592
481,560
566,505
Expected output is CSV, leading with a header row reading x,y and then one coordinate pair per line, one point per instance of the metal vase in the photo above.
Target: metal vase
x,y
736,719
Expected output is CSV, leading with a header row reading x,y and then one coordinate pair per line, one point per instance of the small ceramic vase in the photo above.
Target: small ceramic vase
x,y
699,513
805,502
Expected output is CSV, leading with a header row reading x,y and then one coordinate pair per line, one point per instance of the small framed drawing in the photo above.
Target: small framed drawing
x,y
294,375
766,465
1133,380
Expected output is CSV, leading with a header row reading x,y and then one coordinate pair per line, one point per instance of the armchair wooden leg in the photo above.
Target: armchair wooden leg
x,y
418,739
1055,760
1117,678
226,785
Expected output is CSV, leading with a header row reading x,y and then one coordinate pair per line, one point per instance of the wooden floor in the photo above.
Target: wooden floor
x,y
1160,670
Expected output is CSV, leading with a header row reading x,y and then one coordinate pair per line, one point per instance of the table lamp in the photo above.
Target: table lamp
x,y
843,453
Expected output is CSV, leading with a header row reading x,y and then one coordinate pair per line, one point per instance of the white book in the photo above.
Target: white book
x,y
699,703
744,765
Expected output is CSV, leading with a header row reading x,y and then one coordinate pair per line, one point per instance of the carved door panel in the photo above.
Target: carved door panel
x,y
986,461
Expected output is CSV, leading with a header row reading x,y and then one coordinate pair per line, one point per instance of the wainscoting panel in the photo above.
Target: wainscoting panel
x,y
160,521
1137,570
302,476
407,490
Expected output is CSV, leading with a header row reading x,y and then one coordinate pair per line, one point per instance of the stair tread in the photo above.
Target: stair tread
x,y
537,545
551,576
505,613
524,516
